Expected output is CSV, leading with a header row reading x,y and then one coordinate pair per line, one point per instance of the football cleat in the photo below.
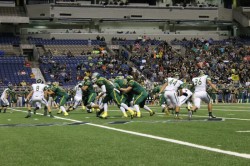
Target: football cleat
x,y
212,117
124,115
28,116
65,114
132,114
59,112
104,116
151,113
177,117
138,114
51,116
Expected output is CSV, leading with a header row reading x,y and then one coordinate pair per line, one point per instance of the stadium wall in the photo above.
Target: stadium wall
x,y
108,37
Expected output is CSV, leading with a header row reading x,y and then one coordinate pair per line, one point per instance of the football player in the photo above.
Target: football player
x,y
200,94
140,95
37,95
4,98
171,87
56,90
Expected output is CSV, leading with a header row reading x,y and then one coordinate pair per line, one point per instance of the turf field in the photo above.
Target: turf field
x,y
82,139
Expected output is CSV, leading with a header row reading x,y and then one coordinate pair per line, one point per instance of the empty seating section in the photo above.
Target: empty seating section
x,y
12,11
39,41
63,49
12,70
7,49
7,41
62,46
4,39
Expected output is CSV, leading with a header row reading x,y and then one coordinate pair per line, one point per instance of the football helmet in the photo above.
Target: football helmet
x,y
95,76
129,77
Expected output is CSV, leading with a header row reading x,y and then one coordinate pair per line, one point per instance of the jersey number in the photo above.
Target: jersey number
x,y
197,82
37,88
173,82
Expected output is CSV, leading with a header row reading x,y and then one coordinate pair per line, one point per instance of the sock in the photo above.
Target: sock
x,y
63,109
105,106
4,111
123,110
137,108
124,106
147,108
177,113
37,108
210,113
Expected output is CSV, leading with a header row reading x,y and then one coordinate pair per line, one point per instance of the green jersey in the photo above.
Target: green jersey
x,y
90,89
59,91
156,89
108,84
120,83
137,88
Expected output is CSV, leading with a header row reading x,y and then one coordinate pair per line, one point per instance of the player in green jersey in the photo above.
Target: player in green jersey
x,y
56,90
162,100
126,98
108,93
89,92
140,95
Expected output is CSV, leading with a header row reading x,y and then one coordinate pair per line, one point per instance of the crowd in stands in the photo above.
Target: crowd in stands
x,y
223,61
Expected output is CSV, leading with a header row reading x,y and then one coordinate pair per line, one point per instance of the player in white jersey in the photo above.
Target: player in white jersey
x,y
186,94
200,93
4,98
77,97
37,95
171,87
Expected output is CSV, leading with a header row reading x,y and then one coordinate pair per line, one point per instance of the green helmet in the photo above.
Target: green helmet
x,y
86,78
129,77
10,86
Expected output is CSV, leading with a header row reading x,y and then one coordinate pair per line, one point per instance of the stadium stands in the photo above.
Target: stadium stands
x,y
13,70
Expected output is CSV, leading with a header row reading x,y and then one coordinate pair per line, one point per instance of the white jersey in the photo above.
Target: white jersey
x,y
5,93
78,90
200,83
173,84
38,89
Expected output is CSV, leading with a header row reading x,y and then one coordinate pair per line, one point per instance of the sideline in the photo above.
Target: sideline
x,y
242,155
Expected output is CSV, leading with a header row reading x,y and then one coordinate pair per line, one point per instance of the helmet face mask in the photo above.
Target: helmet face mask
x,y
95,76
10,86
39,81
129,77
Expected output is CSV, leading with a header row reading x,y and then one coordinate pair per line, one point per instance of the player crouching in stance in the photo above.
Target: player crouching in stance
x,y
4,98
56,90
200,93
186,95
78,96
37,95
170,87
108,93
140,95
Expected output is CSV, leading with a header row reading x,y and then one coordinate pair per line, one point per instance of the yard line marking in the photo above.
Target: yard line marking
x,y
247,131
242,155
200,116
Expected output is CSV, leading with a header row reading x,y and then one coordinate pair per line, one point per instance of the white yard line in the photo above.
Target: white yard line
x,y
247,131
242,155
